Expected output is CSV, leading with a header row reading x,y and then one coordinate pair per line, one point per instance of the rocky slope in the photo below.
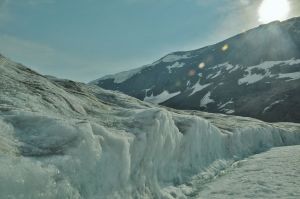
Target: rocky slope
x,y
255,74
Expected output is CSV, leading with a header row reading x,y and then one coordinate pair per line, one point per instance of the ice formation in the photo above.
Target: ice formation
x,y
273,174
63,139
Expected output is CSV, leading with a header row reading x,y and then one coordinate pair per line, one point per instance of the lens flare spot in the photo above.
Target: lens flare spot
x,y
201,65
225,47
192,72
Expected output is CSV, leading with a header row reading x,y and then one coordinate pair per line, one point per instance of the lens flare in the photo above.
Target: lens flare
x,y
225,47
192,72
272,10
201,65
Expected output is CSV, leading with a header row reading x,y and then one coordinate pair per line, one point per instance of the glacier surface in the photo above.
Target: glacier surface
x,y
273,174
64,139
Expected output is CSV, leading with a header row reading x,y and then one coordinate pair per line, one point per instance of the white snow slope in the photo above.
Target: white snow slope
x,y
122,76
62,139
274,174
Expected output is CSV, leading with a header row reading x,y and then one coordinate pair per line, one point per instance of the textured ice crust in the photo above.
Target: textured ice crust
x,y
61,139
82,159
269,175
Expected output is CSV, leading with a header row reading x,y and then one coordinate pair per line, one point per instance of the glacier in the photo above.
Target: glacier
x,y
65,139
278,177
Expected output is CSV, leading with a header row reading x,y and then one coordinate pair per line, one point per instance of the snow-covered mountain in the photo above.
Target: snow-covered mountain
x,y
64,139
255,74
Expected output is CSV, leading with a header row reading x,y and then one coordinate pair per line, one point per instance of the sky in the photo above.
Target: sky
x,y
83,40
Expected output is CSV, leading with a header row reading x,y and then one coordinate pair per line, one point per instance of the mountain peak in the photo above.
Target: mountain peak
x,y
255,73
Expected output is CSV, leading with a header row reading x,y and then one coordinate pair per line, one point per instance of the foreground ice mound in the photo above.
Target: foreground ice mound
x,y
63,139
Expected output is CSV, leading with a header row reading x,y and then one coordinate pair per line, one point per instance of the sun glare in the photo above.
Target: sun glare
x,y
272,10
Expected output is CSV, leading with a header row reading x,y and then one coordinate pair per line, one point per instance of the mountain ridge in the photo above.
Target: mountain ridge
x,y
211,77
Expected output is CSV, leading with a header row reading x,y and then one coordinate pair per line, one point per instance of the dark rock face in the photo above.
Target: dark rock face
x,y
255,74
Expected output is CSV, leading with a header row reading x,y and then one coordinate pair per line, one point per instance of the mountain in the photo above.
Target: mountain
x,y
65,139
254,74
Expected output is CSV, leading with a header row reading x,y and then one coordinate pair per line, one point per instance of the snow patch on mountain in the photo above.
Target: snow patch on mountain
x,y
175,65
223,106
272,105
220,68
215,75
188,83
253,77
293,62
175,57
229,111
206,100
198,87
235,68
162,97
227,66
289,76
250,79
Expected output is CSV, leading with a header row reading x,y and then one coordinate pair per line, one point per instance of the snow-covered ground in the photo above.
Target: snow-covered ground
x,y
273,174
63,139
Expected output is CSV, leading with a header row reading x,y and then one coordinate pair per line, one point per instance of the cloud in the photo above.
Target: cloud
x,y
47,60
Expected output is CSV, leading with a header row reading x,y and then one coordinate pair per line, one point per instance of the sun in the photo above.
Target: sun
x,y
272,10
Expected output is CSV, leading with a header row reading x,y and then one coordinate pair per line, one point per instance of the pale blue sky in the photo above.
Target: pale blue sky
x,y
86,39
